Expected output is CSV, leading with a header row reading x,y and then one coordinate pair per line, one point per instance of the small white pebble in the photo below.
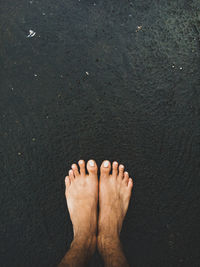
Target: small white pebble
x,y
31,33
173,66
87,72
12,88
130,15
43,14
139,28
181,68
35,75
94,4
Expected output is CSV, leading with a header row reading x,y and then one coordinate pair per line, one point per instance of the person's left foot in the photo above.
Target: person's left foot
x,y
81,193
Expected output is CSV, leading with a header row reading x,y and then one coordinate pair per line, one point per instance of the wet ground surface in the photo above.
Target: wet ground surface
x,y
116,80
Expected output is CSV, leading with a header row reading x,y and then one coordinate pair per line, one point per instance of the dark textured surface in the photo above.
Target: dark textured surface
x,y
139,105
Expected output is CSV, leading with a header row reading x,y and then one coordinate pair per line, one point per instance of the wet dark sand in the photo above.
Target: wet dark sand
x,y
138,103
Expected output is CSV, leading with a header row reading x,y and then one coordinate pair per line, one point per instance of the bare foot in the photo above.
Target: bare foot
x,y
114,196
82,198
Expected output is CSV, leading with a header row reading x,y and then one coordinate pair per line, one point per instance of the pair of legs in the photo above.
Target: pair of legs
x,y
83,192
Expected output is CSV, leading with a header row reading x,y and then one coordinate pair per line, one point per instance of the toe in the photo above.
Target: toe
x,y
105,167
121,171
92,167
126,177
75,169
130,183
114,168
82,166
71,175
67,182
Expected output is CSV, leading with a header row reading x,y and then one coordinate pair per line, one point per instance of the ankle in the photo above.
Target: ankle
x,y
111,251
107,241
88,242
108,232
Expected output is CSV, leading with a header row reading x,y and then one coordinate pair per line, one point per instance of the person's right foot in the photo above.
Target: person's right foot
x,y
114,196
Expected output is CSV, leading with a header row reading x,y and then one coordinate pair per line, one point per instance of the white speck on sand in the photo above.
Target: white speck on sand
x,y
33,139
43,14
35,75
87,72
19,153
61,76
94,4
173,66
181,68
12,88
139,28
130,15
31,33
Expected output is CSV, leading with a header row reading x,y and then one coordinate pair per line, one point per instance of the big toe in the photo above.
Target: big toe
x,y
92,167
105,168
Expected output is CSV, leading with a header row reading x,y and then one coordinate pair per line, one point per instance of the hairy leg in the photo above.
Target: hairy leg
x,y
112,252
79,253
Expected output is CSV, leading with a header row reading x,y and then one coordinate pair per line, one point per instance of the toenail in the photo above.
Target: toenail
x,y
91,162
106,163
122,166
81,161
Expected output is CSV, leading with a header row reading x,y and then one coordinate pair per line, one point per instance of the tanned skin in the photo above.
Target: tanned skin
x,y
83,193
